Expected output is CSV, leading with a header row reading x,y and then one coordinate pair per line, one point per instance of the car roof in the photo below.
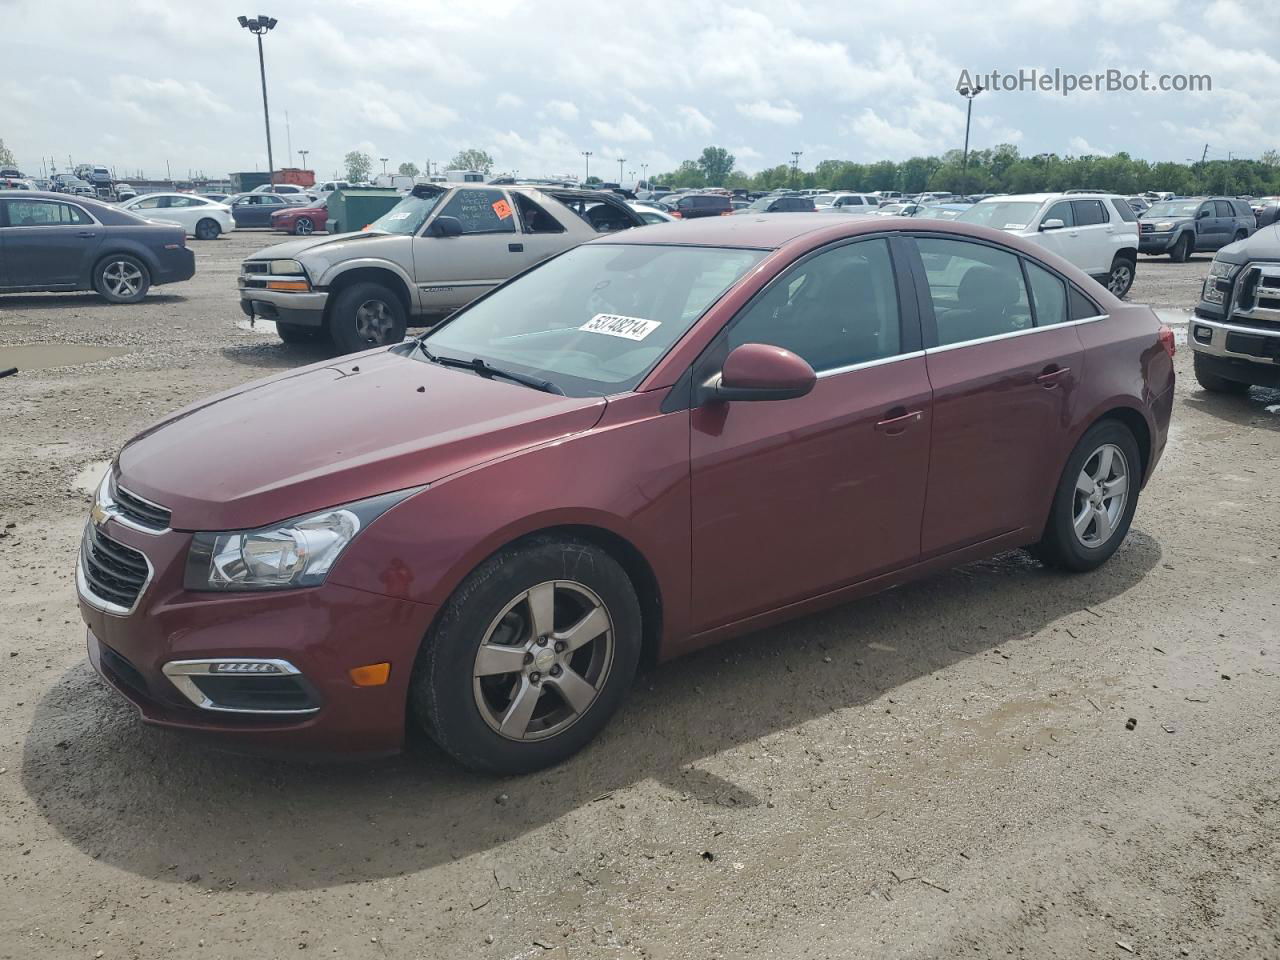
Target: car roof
x,y
766,232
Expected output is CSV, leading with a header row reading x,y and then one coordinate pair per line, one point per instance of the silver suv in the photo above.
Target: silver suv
x,y
435,251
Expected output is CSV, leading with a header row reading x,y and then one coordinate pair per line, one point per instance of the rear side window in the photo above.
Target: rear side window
x,y
835,309
977,291
481,211
1224,208
1081,306
1124,209
1061,211
1089,212
1048,294
1242,208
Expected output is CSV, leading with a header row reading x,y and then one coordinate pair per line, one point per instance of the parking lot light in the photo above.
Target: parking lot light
x,y
258,26
587,169
968,93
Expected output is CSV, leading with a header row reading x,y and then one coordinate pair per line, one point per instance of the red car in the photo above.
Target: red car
x,y
654,441
301,221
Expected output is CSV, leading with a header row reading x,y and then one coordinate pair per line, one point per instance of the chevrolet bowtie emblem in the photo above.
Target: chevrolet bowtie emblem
x,y
98,515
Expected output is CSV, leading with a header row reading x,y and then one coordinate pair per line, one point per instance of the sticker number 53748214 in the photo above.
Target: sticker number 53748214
x,y
614,325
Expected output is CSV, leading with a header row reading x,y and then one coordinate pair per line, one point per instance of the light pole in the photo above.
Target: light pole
x,y
384,165
644,174
258,26
968,93
303,154
621,161
795,165
587,169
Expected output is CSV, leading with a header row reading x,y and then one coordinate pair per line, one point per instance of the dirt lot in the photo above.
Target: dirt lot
x,y
942,771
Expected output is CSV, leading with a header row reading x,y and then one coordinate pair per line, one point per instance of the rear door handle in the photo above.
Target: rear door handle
x,y
515,248
895,422
1050,376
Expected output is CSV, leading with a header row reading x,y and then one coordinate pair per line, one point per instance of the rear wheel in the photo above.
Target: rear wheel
x,y
207,229
1214,383
1240,235
1120,279
304,227
1181,250
530,657
122,279
366,315
1095,500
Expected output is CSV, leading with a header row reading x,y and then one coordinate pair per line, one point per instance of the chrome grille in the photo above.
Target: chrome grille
x,y
112,576
140,510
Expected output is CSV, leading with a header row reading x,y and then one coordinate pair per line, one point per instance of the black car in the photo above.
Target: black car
x,y
255,209
51,241
1180,227
777,204
690,206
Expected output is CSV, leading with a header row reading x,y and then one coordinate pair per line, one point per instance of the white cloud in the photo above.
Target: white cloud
x,y
562,109
508,101
783,112
626,129
1082,147
692,121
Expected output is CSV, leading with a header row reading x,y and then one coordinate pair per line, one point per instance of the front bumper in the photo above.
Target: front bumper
x,y
1156,242
321,632
302,309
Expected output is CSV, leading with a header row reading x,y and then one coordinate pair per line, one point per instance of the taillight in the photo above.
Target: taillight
x,y
677,214
727,213
1167,341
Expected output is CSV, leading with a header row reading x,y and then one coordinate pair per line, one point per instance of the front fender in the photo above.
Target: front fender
x,y
332,272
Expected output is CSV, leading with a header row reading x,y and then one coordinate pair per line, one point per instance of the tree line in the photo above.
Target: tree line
x,y
1000,169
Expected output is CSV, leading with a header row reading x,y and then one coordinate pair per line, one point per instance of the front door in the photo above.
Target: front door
x,y
794,498
453,271
48,243
1004,384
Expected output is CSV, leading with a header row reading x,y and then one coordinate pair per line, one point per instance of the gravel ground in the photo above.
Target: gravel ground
x,y
940,771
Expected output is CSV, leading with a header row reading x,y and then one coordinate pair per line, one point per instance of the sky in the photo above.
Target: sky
x,y
173,86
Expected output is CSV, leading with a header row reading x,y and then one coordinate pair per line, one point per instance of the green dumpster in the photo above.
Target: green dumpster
x,y
356,207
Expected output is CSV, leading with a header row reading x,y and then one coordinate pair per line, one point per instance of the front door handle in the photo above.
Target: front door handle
x,y
88,234
898,419
515,248
1051,374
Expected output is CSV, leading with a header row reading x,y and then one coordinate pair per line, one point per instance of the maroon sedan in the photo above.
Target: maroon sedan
x,y
649,443
301,221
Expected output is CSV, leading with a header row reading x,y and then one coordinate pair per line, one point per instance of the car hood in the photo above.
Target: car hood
x,y
335,246
335,432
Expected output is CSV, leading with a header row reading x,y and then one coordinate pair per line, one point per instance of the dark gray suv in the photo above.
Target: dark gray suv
x,y
1189,224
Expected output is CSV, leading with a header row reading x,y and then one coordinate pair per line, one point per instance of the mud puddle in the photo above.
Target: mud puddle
x,y
42,356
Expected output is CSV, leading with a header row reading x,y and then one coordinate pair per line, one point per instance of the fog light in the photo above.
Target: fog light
x,y
1203,334
370,675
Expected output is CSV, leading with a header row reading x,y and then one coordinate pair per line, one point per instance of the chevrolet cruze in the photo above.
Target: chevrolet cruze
x,y
652,442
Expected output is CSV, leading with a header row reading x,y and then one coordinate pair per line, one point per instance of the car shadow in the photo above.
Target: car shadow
x,y
160,805
80,298
1248,410
279,355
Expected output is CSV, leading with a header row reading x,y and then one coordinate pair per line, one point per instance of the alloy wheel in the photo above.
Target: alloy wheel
x,y
374,321
304,227
543,661
122,279
1102,490
1121,278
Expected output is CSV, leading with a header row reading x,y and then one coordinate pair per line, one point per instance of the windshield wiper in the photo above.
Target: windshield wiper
x,y
482,367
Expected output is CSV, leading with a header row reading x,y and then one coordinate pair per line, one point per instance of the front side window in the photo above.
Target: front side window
x,y
977,290
1061,211
44,213
1049,295
835,309
594,320
481,211
149,203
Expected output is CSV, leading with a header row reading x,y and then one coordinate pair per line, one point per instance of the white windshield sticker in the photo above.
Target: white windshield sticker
x,y
403,215
1015,226
631,328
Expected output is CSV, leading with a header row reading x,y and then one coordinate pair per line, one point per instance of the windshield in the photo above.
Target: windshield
x,y
938,213
595,320
1003,215
823,199
1172,208
407,216
762,203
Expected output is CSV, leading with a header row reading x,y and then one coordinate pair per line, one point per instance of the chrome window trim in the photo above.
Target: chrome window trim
x,y
180,672
880,361
66,203
1016,333
99,603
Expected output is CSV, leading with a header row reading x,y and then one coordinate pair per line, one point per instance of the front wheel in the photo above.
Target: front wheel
x,y
122,279
1120,279
304,227
207,229
1181,251
1095,500
530,657
366,315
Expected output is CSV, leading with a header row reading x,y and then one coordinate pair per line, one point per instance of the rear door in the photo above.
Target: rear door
x,y
1093,232
1225,218
793,498
1005,366
453,271
48,242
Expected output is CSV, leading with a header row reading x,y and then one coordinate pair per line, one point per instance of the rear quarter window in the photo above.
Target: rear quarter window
x,y
1125,211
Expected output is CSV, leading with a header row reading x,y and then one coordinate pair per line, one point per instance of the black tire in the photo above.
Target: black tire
x,y
207,229
1061,546
1214,383
1180,252
365,315
1120,277
304,227
446,695
296,333
121,278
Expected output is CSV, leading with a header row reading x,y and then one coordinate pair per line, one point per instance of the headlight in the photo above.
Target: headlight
x,y
289,267
295,553
1165,225
1219,271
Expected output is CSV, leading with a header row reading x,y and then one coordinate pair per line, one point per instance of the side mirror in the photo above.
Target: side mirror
x,y
1053,223
445,227
1202,214
758,371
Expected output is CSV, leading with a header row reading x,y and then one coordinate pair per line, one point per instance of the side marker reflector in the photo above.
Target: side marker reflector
x,y
371,674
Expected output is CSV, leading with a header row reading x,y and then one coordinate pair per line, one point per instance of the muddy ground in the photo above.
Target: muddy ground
x,y
942,771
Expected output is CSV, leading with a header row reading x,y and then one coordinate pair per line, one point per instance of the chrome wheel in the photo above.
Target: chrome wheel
x,y
374,321
543,661
304,227
1102,490
122,279
1121,278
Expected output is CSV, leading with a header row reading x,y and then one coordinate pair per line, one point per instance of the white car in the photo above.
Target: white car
x,y
1097,232
847,202
280,188
651,212
203,219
